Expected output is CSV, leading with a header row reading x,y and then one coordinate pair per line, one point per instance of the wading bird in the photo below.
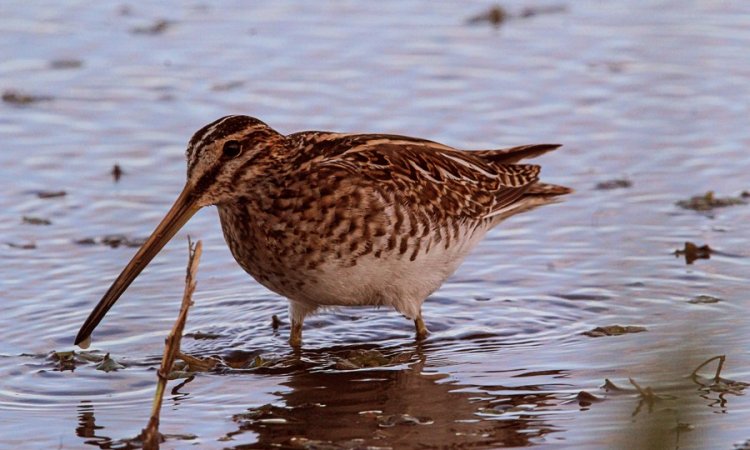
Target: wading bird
x,y
331,219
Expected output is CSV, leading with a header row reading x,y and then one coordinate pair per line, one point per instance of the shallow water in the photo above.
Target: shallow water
x,y
655,92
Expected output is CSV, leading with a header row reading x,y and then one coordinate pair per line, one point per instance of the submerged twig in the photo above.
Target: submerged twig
x,y
717,377
150,436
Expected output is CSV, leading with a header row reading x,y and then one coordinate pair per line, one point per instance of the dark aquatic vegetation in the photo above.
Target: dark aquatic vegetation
x,y
704,299
495,16
709,201
693,252
117,172
113,241
24,246
20,98
157,27
36,220
619,183
51,194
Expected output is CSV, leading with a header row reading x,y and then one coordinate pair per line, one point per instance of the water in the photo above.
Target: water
x,y
655,92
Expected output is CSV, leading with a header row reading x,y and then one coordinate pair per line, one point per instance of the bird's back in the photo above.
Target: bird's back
x,y
444,181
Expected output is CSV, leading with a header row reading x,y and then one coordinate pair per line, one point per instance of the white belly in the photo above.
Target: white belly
x,y
391,280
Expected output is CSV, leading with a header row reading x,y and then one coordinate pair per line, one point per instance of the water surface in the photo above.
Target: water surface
x,y
655,92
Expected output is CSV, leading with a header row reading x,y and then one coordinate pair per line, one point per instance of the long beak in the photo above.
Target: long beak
x,y
182,210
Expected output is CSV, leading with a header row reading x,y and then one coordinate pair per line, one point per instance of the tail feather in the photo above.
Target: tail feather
x,y
514,154
547,190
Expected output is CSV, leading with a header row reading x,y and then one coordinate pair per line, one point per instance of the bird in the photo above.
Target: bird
x,y
330,219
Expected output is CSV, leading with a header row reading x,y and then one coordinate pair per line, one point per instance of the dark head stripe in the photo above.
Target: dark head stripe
x,y
217,130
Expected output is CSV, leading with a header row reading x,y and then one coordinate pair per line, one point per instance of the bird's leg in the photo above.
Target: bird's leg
x,y
297,313
421,328
295,336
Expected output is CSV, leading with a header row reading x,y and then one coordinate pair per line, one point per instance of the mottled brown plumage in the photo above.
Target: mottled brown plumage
x,y
329,219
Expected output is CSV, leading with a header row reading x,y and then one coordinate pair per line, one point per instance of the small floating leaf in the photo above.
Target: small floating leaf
x,y
158,27
36,220
704,299
357,359
109,365
65,360
19,98
620,183
613,330
51,194
90,357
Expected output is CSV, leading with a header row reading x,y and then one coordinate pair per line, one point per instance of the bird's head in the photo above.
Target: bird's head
x,y
227,153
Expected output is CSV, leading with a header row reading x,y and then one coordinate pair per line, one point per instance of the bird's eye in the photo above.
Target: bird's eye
x,y
232,149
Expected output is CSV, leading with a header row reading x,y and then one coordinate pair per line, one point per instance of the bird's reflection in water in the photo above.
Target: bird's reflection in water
x,y
390,408
405,405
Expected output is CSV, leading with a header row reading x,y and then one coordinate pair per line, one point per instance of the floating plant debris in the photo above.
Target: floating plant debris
x,y
116,172
188,365
51,194
693,252
614,330
26,246
69,360
229,85
109,365
200,335
709,201
113,241
36,221
19,98
620,183
703,299
495,16
158,27
64,360
717,383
